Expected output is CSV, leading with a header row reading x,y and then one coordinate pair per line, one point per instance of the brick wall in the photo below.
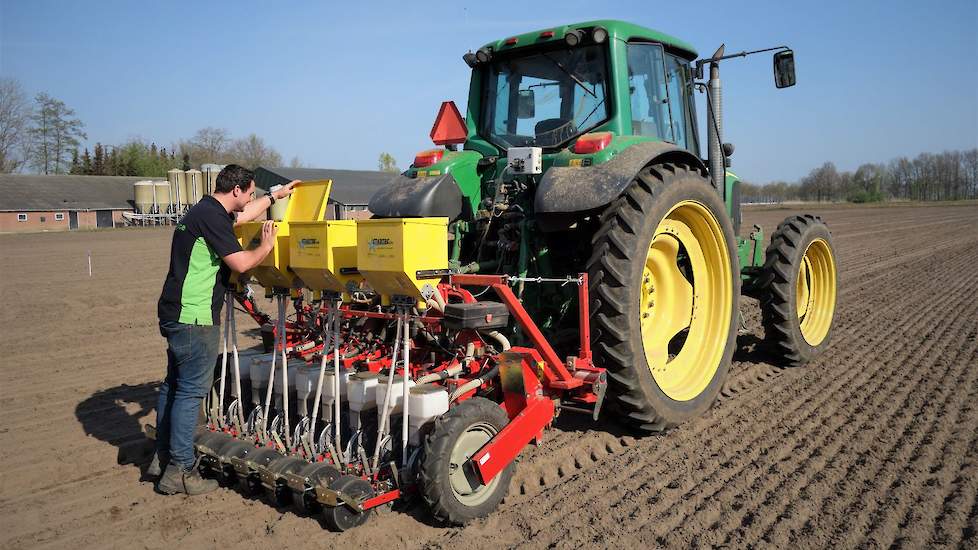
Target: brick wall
x,y
36,221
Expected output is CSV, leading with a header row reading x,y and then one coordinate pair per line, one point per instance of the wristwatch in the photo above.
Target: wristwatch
x,y
271,197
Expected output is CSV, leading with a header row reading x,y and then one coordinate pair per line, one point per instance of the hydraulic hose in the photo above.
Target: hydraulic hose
x,y
473,384
440,375
497,336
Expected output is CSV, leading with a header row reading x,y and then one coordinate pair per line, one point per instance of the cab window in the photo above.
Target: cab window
x,y
676,71
659,94
647,88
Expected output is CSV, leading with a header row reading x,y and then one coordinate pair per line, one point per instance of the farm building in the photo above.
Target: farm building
x,y
63,202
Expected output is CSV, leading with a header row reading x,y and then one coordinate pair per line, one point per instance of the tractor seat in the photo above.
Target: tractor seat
x,y
551,131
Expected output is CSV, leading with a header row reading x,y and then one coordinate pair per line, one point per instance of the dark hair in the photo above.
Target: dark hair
x,y
233,176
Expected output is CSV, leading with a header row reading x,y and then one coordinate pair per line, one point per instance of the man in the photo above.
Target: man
x,y
203,253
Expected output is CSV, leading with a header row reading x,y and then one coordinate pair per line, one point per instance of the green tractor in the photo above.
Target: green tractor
x,y
580,154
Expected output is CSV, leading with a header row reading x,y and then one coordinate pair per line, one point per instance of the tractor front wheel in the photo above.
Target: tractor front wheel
x,y
664,287
797,289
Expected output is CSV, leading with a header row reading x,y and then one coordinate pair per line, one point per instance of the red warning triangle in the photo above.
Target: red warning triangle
x,y
449,125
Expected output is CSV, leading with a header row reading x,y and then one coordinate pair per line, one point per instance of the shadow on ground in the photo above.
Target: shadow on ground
x,y
113,415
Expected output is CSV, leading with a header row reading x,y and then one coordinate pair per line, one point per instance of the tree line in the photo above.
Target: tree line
x,y
951,175
44,136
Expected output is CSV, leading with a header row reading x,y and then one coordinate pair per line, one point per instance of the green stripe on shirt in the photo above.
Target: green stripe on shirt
x,y
198,286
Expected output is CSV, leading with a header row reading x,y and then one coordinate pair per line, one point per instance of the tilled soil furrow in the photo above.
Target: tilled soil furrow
x,y
856,450
745,378
790,469
920,517
886,464
962,498
908,476
774,452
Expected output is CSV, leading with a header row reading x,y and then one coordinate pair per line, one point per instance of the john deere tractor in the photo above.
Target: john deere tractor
x,y
580,153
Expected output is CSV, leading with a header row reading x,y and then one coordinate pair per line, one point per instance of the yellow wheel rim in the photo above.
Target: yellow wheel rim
x,y
686,300
816,290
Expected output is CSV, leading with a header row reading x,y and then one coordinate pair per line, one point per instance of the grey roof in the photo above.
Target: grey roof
x,y
349,186
21,192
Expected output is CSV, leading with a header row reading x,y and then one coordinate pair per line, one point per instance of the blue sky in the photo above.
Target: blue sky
x,y
338,85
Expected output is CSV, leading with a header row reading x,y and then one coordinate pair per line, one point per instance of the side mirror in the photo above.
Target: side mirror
x,y
526,104
784,69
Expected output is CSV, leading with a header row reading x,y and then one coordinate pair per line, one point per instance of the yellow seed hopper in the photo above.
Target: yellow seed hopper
x,y
308,203
324,254
400,256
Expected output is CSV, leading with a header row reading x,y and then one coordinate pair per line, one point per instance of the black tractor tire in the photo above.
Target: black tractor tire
x,y
777,289
615,273
478,416
342,518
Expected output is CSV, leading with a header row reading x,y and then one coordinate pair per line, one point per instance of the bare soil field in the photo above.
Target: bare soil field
x,y
873,445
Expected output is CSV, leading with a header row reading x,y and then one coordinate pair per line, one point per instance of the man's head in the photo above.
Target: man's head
x,y
236,184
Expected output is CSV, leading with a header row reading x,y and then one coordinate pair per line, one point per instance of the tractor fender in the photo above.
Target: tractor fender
x,y
567,190
406,197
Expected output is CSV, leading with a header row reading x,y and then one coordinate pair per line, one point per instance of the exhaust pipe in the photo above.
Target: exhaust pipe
x,y
714,127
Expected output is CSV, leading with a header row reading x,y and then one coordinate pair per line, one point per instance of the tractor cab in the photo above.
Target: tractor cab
x,y
549,88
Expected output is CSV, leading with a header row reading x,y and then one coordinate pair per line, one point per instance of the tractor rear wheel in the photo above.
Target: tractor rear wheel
x,y
449,484
797,289
665,286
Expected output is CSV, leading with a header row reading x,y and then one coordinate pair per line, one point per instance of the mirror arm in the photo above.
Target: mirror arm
x,y
702,62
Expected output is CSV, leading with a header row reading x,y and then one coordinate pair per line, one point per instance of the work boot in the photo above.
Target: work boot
x,y
155,468
177,480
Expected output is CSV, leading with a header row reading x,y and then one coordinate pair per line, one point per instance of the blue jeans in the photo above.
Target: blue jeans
x,y
191,353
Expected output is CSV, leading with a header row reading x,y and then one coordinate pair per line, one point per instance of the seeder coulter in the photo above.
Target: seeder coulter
x,y
447,332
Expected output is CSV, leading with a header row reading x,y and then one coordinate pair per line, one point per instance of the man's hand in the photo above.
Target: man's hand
x,y
268,233
285,190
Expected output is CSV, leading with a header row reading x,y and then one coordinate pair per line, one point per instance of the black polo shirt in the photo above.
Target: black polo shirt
x,y
193,292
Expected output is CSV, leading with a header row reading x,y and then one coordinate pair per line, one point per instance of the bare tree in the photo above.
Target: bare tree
x,y
54,134
14,117
252,152
296,162
207,145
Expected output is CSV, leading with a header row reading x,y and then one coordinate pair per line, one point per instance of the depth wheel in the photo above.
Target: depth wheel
x,y
279,494
237,449
665,286
317,473
798,289
341,518
251,485
449,485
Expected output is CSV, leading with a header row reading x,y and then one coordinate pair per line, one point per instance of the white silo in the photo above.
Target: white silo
x,y
195,186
